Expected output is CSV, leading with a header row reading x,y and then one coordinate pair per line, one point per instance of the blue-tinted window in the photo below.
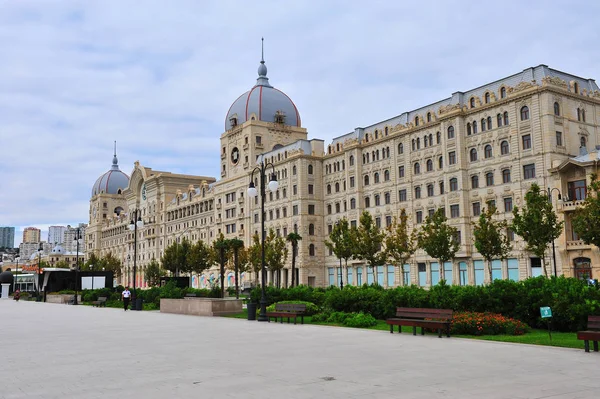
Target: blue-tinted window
x,y
479,272
496,270
448,272
435,273
380,275
369,275
422,274
463,274
406,274
349,279
536,267
391,280
513,269
359,276
331,276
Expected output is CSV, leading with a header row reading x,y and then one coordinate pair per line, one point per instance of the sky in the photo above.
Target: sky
x,y
158,77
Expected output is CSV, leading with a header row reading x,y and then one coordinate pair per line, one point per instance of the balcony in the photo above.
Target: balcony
x,y
569,205
578,244
218,205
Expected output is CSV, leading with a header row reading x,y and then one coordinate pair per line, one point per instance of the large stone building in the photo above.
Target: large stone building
x,y
488,144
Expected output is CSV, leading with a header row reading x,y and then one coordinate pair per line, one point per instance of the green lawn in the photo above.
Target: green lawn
x,y
533,337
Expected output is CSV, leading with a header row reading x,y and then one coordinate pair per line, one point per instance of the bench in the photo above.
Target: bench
x,y
591,334
100,302
439,319
190,295
288,310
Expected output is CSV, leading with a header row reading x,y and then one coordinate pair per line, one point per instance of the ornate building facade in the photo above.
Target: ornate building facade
x,y
486,145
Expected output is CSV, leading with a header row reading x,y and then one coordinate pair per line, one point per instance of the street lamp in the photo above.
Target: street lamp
x,y
40,250
135,223
78,239
553,249
92,270
17,258
128,270
253,192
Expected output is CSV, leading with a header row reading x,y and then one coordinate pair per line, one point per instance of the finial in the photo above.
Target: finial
x,y
262,50
115,162
262,68
115,148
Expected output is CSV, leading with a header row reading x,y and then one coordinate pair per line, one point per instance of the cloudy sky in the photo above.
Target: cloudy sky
x,y
159,77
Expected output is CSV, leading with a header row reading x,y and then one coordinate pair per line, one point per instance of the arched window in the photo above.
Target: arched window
x,y
386,175
425,141
430,139
582,141
400,148
386,130
453,184
311,229
489,179
504,148
417,192
429,117
474,181
418,143
474,127
556,109
376,134
503,92
377,200
417,168
469,131
329,209
294,170
430,190
329,189
376,178
352,203
438,137
505,175
310,169
367,202
524,113
351,160
414,147
489,122
487,98
337,187
440,162
337,207
488,151
576,87
429,165
311,250
366,180
450,132
483,125
473,155
441,187
505,118
582,115
499,120
416,121
472,102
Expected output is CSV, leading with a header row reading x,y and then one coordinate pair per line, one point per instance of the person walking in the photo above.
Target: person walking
x,y
126,294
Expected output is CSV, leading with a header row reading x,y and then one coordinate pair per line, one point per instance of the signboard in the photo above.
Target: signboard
x,y
545,312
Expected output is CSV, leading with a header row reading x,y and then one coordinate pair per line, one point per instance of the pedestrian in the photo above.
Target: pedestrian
x,y
17,295
126,294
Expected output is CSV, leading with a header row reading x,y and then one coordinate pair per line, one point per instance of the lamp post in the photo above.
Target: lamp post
x,y
17,258
253,192
77,238
40,250
92,270
550,190
135,222
128,270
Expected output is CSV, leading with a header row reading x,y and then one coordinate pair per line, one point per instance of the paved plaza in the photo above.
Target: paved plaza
x,y
59,351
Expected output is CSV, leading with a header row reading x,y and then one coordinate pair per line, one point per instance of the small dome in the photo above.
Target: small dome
x,y
58,250
113,181
264,101
34,256
6,277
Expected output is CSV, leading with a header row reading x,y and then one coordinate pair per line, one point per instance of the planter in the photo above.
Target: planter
x,y
201,306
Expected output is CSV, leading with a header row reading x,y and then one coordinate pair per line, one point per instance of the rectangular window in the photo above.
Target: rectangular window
x,y
380,276
359,276
576,190
331,272
351,181
435,273
452,157
311,209
448,272
559,141
463,275
508,204
406,275
430,212
510,234
422,267
369,275
258,140
526,141
454,211
400,171
476,208
294,190
513,269
479,272
353,223
536,267
349,279
311,189
295,210
402,195
529,171
419,216
388,221
496,269
378,222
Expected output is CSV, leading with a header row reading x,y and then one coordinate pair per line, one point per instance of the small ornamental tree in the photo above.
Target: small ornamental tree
x,y
198,258
236,246
174,258
255,258
437,238
367,242
220,255
340,243
490,238
293,239
399,244
153,273
110,263
275,254
537,223
586,221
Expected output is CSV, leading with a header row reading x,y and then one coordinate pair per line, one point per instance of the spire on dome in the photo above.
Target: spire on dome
x,y
115,162
262,68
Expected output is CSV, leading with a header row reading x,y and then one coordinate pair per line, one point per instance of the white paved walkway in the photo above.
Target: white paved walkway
x,y
59,351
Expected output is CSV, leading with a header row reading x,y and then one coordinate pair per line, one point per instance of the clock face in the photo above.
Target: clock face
x,y
235,156
143,193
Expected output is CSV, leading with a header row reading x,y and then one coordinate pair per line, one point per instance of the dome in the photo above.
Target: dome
x,y
58,250
265,101
6,277
113,181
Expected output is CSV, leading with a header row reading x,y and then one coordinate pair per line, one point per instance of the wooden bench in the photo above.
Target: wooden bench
x,y
591,334
288,310
100,302
190,295
439,319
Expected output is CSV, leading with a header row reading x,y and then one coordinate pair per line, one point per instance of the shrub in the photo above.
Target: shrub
x,y
360,320
475,323
311,308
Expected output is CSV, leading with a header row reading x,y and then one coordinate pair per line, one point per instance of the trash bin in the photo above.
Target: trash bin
x,y
251,311
138,303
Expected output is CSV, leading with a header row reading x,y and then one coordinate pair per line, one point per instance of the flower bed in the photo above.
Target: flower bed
x,y
474,323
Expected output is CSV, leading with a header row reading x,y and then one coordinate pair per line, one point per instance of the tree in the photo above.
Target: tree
x,y
110,263
586,220
62,264
255,258
437,238
174,258
153,273
490,239
293,239
199,258
92,261
537,223
275,254
220,248
236,245
367,241
399,244
341,244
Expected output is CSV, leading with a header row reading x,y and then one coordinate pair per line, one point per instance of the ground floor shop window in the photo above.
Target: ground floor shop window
x,y
435,273
406,274
536,267
583,268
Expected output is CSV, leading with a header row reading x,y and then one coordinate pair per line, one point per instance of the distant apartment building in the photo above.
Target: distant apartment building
x,y
31,234
7,237
27,249
70,241
56,234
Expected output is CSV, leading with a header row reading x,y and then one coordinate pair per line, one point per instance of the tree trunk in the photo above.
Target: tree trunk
x,y
222,273
237,287
544,265
293,264
374,274
490,271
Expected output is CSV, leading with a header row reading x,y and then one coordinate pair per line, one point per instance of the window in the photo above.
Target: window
x,y
337,187
508,204
580,114
556,109
386,175
463,276
366,180
311,250
454,211
416,121
451,157
476,208
576,190
474,181
489,122
450,132
526,141
429,165
402,195
310,169
417,168
311,229
417,192
311,189
559,141
351,160
413,145
294,190
472,102
419,216
430,212
491,204
376,177
295,210
505,176
510,234
483,125
503,92
489,179
377,200
294,170
438,137
474,127
400,148
441,187
378,222
473,155
487,98
429,117
329,189
430,190
388,198
440,162
400,171
488,151
337,207
469,130
529,171
258,140
351,181
499,120
311,209
582,141
453,184
524,113
504,148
